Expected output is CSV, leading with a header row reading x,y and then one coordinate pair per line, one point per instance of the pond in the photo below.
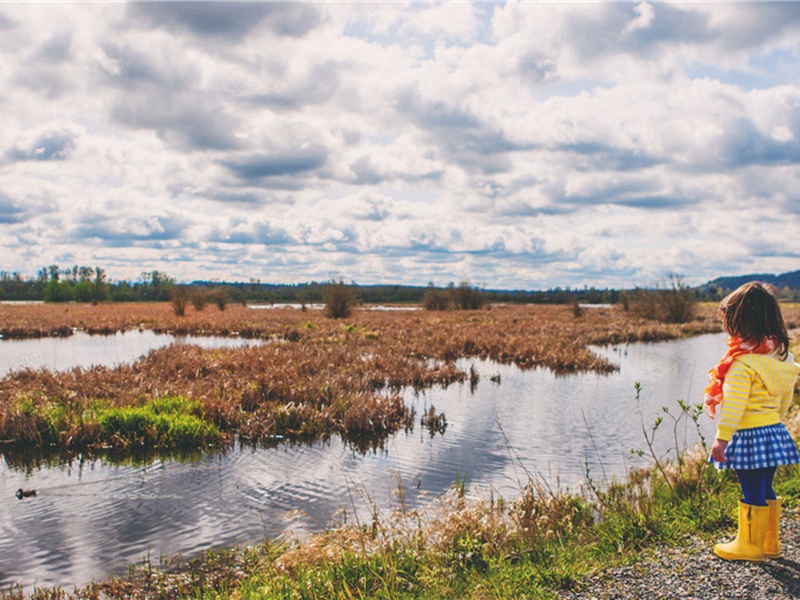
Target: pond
x,y
84,350
93,519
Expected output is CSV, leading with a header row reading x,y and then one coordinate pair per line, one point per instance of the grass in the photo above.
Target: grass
x,y
532,546
341,378
165,423
313,377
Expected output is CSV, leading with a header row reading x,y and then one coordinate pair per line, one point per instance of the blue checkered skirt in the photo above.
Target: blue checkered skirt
x,y
759,448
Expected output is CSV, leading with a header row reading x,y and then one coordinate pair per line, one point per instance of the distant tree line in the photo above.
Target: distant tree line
x,y
83,284
91,284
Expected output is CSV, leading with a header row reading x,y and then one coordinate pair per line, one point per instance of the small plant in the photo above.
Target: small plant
x,y
434,423
685,468
474,378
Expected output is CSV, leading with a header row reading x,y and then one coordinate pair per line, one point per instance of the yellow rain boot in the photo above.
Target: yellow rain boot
x,y
749,542
772,543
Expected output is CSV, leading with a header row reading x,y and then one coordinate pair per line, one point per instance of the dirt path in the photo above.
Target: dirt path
x,y
693,571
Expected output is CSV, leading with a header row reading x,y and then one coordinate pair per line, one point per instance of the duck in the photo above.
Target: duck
x,y
25,493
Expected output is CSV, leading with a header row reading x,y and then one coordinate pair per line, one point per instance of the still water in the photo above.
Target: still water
x,y
84,350
91,520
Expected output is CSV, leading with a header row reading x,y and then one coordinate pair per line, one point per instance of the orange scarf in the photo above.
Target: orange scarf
x,y
712,395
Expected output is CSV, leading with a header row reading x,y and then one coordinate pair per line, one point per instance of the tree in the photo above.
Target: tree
x,y
58,291
100,291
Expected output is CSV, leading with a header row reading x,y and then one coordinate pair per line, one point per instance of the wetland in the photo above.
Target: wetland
x,y
324,424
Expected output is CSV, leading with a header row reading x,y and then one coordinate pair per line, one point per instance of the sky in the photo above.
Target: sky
x,y
513,145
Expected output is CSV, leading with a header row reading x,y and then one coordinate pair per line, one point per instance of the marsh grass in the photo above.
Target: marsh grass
x,y
459,546
315,378
534,545
169,422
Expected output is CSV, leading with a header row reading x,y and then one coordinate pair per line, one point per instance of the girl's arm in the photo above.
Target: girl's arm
x,y
786,402
735,393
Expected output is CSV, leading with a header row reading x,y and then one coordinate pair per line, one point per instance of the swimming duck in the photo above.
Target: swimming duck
x,y
25,493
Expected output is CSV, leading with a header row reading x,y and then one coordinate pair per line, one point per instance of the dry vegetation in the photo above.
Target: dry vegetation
x,y
459,547
313,377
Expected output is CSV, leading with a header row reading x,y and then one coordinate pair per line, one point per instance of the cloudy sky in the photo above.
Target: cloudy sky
x,y
512,145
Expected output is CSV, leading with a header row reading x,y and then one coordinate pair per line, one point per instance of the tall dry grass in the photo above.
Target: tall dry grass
x,y
313,377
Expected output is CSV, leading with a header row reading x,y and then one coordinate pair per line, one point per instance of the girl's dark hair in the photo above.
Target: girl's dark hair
x,y
752,313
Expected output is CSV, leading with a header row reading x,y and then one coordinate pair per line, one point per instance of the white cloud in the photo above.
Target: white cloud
x,y
518,145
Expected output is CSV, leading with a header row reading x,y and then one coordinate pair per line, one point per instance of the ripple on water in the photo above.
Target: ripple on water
x,y
91,519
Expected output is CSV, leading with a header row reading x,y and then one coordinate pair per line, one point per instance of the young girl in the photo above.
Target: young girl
x,y
754,382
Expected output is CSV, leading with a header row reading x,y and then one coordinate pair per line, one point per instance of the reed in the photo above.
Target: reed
x,y
312,377
460,546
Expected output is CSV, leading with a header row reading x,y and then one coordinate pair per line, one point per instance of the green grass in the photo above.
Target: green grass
x,y
533,546
163,422
170,423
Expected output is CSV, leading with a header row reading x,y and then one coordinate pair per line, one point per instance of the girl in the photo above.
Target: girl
x,y
754,382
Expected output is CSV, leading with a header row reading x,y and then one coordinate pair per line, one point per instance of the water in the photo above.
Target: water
x,y
84,350
88,521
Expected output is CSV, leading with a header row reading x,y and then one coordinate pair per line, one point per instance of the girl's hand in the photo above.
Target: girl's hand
x,y
718,450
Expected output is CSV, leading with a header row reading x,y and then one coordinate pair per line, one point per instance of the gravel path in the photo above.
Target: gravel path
x,y
694,572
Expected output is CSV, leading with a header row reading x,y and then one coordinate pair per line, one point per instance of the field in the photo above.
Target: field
x,y
313,377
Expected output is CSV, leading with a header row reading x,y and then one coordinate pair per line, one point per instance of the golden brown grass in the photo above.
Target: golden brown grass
x,y
313,377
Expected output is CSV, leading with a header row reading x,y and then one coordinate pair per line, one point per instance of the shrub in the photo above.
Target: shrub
x,y
220,297
339,299
466,297
678,304
179,296
199,298
434,299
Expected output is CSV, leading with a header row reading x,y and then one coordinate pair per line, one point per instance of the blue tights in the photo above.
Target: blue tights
x,y
757,485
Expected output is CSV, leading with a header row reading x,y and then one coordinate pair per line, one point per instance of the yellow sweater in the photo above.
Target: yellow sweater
x,y
758,391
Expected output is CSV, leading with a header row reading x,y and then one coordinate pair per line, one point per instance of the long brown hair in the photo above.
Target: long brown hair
x,y
752,313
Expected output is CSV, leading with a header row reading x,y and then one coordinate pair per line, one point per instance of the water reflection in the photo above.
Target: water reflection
x,y
84,350
90,519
